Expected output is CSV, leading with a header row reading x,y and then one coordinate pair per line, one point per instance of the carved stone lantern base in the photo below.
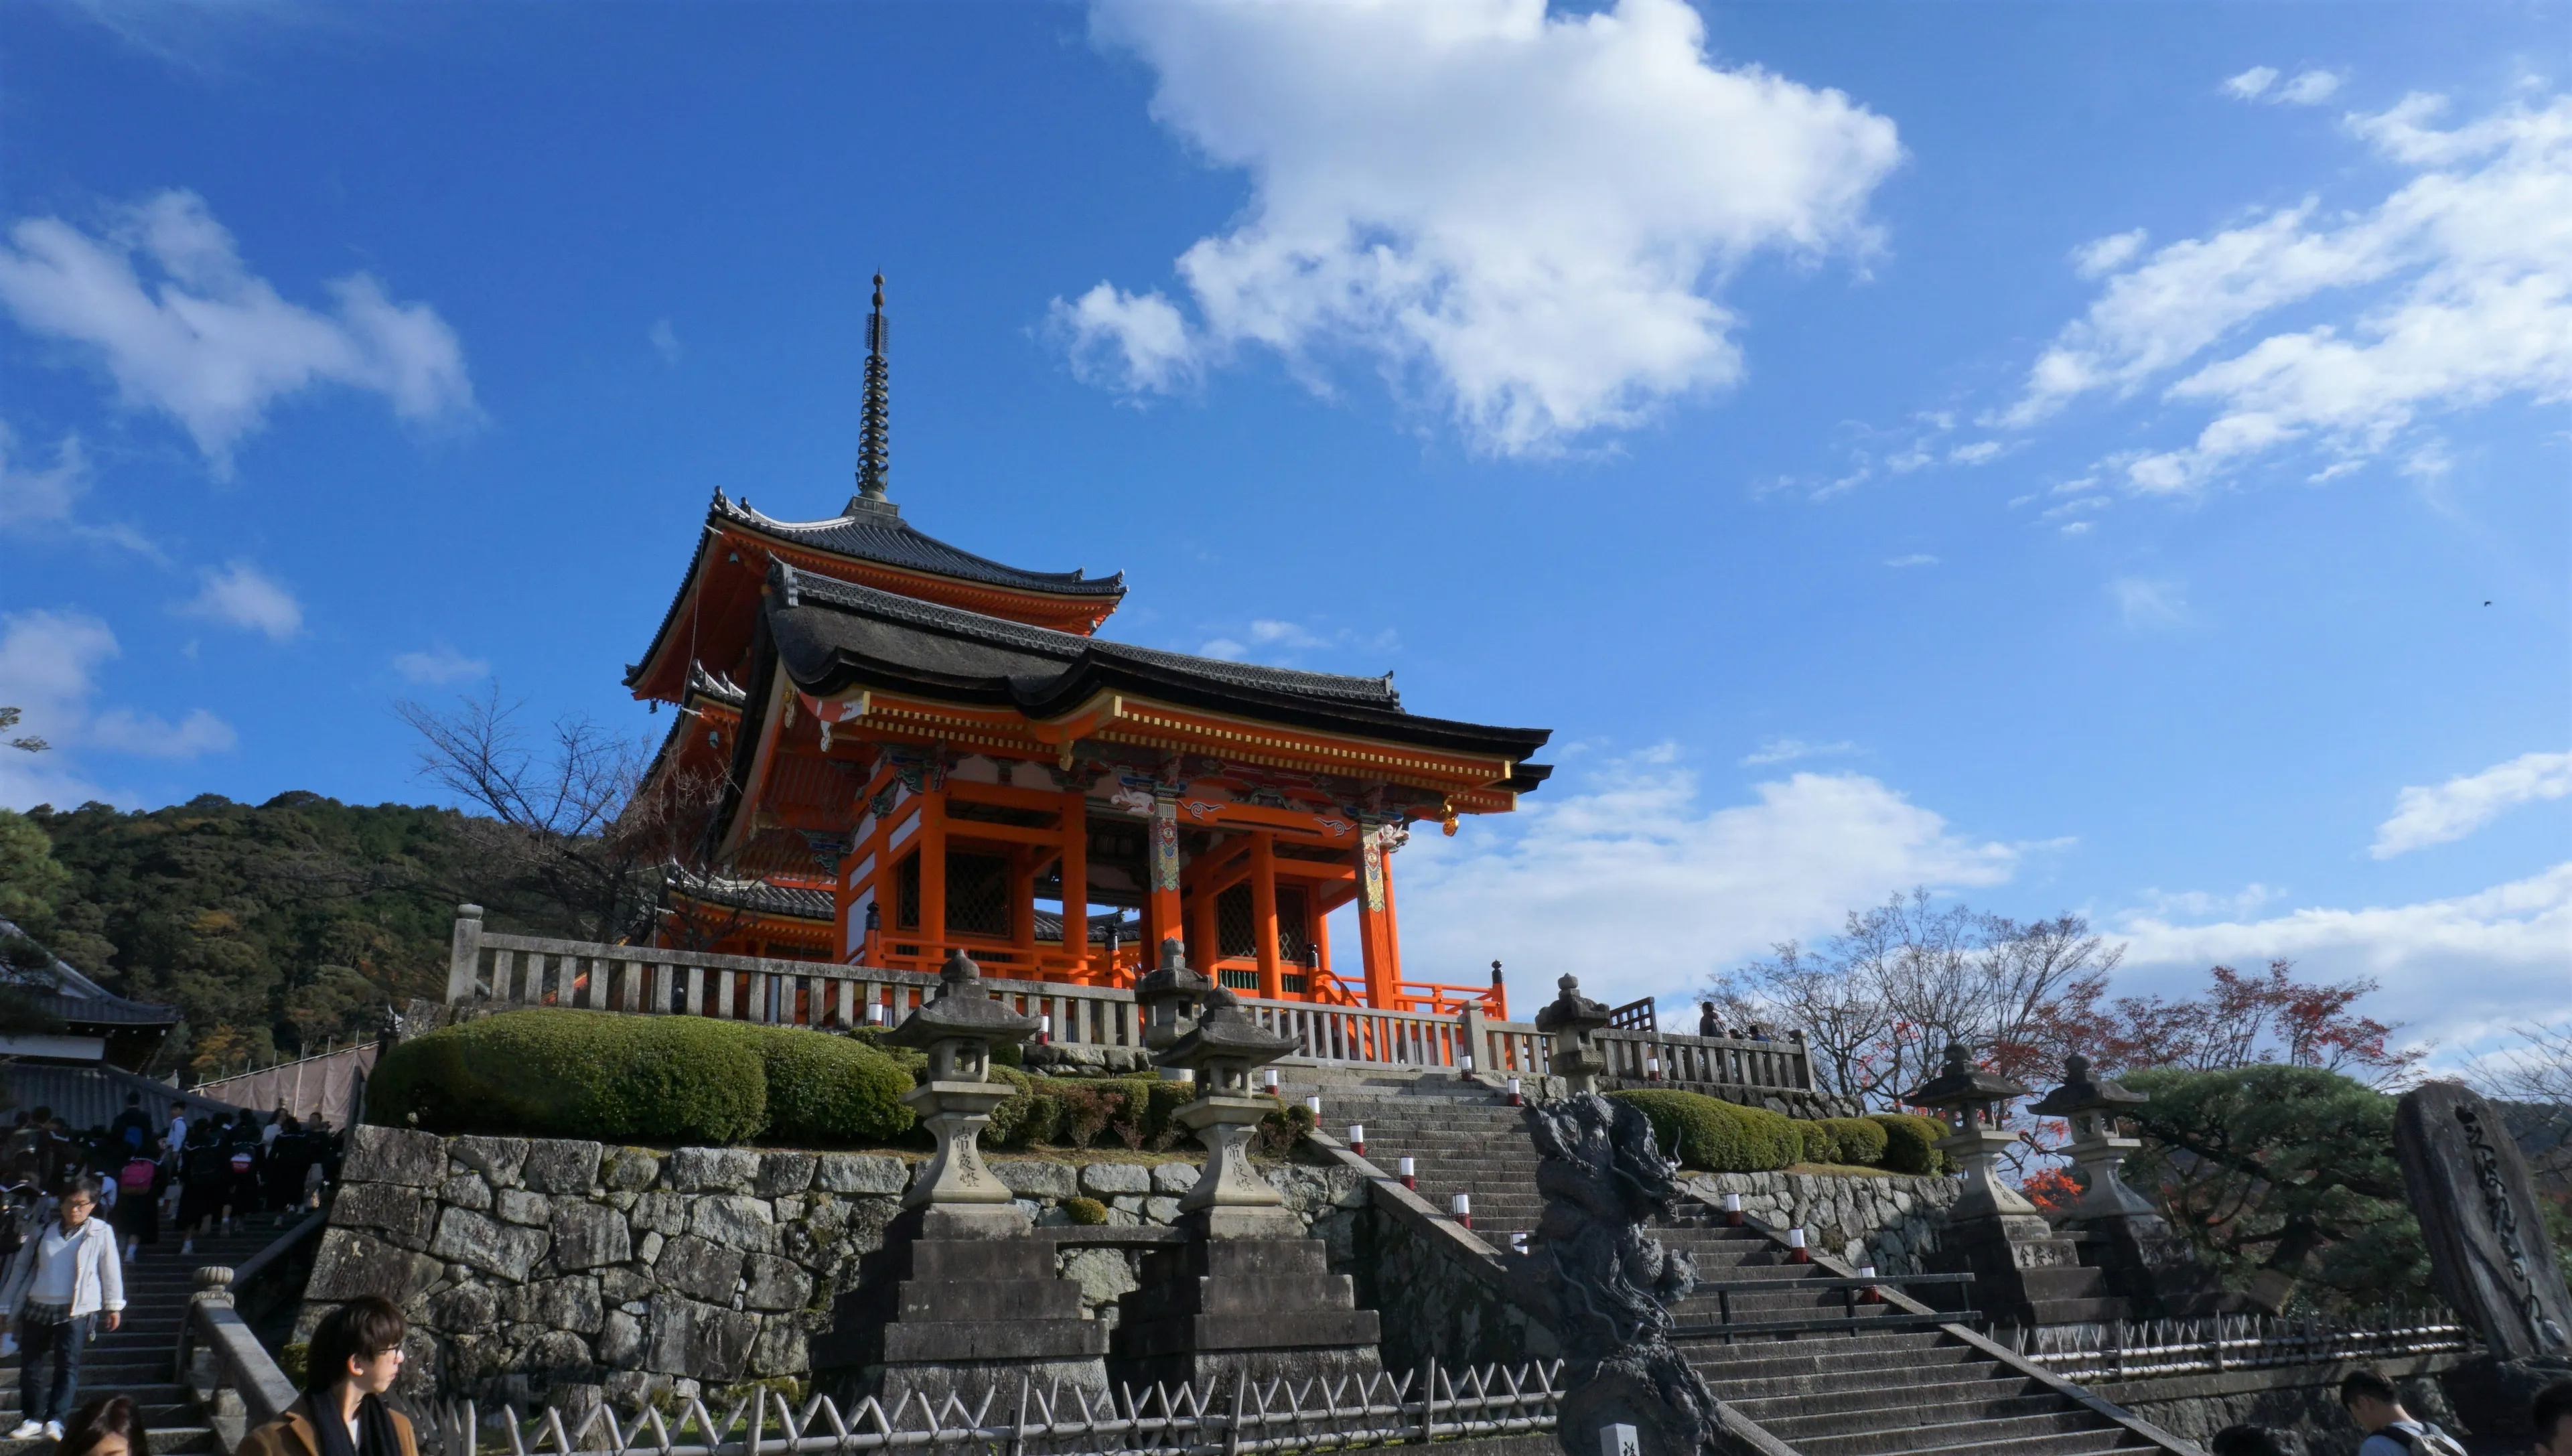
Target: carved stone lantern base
x,y
1231,1200
945,1309
968,1199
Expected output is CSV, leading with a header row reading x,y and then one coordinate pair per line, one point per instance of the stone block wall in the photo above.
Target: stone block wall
x,y
574,1271
1885,1221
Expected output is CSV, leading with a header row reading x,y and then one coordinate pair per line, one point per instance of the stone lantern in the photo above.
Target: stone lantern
x,y
1249,1295
1974,1104
2091,1107
1222,1050
1168,998
957,1030
1573,1020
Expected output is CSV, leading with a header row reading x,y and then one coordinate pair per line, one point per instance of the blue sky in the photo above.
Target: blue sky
x,y
2058,456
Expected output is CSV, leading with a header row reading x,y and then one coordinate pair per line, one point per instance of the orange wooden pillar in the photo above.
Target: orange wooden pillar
x,y
1263,910
1076,885
933,877
1162,908
1375,926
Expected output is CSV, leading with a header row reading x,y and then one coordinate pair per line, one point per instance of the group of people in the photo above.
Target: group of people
x,y
81,1207
2375,1405
355,1356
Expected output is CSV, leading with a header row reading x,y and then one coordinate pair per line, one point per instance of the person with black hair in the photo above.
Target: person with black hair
x,y
2376,1406
57,1285
132,1134
243,1156
111,1425
355,1356
2551,1414
2249,1441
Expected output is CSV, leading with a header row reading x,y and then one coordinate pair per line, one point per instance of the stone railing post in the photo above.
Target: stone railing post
x,y
1478,1040
465,960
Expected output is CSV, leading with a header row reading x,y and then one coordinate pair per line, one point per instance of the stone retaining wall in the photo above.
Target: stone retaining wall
x,y
1885,1221
574,1271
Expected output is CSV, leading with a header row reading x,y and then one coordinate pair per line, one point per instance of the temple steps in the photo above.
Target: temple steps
x,y
135,1360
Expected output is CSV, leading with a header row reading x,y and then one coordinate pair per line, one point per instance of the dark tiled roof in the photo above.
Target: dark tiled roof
x,y
833,635
91,1097
759,896
65,993
705,684
880,534
1053,647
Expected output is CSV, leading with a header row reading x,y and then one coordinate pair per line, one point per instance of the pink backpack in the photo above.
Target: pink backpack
x,y
135,1175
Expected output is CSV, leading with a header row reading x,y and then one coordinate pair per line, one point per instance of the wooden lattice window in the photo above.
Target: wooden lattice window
x,y
1294,925
1241,979
1235,937
906,894
978,894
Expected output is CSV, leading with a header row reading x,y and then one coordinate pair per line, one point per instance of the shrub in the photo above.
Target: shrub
x,y
609,1077
1910,1144
1283,1128
824,1089
1713,1136
1856,1141
1087,1211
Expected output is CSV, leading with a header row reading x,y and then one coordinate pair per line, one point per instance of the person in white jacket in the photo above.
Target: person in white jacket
x,y
60,1282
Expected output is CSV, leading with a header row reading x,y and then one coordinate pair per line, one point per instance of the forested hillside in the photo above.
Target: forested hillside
x,y
271,927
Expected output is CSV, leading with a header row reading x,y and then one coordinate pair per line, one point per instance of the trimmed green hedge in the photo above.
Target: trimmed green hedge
x,y
1911,1142
1719,1136
1713,1136
1859,1141
609,1077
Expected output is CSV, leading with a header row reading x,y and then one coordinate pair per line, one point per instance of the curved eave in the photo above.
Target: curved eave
x,y
1059,695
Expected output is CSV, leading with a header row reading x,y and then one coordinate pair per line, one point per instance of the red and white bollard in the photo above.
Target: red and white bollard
x,y
1313,1105
1796,1253
1652,1069
1514,1099
1269,1080
1462,1205
1410,1174
1357,1138
1732,1209
1870,1294
1045,1030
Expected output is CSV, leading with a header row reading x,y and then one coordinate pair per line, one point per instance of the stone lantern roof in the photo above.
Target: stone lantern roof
x,y
1571,1010
2081,1092
1962,1085
961,1008
1226,1033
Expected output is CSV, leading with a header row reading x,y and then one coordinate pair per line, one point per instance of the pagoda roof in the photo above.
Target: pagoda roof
x,y
833,636
875,531
869,539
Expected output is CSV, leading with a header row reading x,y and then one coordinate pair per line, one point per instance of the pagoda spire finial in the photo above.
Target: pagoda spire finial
x,y
873,446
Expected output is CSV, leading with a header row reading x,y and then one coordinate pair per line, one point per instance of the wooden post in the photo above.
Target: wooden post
x,y
1263,911
464,954
933,877
1383,978
1076,885
1166,921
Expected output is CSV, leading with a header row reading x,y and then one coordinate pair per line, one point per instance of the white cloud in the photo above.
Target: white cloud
x,y
1522,219
2459,971
439,666
182,327
2249,84
1278,641
1788,750
49,666
1225,648
2457,290
665,342
2146,604
2310,88
242,595
1683,887
1916,558
1980,452
2106,255
2424,816
45,501
122,730
2306,88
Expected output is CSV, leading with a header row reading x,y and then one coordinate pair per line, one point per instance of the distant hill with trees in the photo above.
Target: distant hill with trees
x,y
274,927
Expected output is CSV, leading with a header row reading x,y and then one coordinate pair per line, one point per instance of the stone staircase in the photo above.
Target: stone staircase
x,y
135,1359
1462,1136
1911,1388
